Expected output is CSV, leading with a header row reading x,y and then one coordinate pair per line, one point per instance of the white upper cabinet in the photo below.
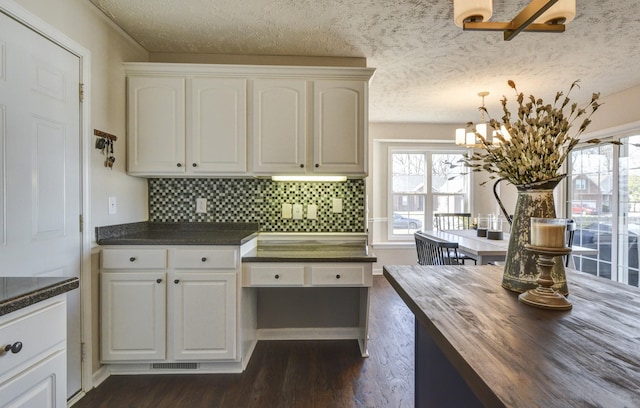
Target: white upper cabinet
x,y
196,120
339,127
156,125
279,126
217,125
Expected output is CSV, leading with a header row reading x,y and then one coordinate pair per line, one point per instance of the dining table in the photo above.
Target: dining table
x,y
485,250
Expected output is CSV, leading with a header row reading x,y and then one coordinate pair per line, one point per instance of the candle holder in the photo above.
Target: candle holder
x,y
544,296
548,237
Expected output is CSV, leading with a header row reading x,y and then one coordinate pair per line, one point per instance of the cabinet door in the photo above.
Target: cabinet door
x,y
217,125
132,312
279,126
202,317
339,127
156,125
42,385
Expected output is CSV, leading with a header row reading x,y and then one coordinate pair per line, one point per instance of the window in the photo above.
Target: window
x,y
603,200
423,182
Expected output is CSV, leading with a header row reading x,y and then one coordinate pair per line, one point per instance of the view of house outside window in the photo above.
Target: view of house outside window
x,y
423,183
607,220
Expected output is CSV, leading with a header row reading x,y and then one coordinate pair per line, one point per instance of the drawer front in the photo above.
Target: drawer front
x,y
338,275
206,258
274,276
25,329
128,258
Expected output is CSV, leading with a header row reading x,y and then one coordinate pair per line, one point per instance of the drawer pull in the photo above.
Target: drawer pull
x,y
302,166
176,281
132,259
338,276
204,259
277,276
179,164
159,280
14,348
195,164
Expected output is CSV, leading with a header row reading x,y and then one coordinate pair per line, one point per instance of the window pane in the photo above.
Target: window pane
x,y
447,174
629,210
409,218
408,172
591,194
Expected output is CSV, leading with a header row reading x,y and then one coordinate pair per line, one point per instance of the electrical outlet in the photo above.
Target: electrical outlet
x,y
286,211
297,211
113,206
312,212
201,205
337,205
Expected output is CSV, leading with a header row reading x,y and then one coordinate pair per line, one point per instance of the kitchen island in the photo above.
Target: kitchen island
x,y
476,345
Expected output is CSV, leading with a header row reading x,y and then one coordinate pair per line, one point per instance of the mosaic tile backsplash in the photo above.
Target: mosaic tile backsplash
x,y
258,200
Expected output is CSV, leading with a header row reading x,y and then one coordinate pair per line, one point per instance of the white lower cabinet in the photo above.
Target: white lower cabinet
x,y
202,315
33,371
171,314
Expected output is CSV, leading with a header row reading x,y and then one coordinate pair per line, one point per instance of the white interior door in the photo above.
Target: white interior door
x,y
40,177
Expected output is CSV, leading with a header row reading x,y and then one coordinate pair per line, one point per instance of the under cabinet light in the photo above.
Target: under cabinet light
x,y
309,178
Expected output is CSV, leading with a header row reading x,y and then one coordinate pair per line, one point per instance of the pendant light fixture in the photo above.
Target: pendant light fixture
x,y
548,16
468,138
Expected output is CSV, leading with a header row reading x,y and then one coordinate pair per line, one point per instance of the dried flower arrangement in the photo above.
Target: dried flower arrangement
x,y
538,141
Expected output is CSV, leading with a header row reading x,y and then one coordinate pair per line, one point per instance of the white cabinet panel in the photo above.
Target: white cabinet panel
x,y
34,372
156,125
279,126
202,315
217,125
205,258
339,127
338,275
132,307
274,275
134,258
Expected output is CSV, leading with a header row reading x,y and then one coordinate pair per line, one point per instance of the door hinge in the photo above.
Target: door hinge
x,y
81,223
81,92
83,352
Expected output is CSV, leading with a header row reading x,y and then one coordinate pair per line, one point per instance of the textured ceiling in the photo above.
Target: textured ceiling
x,y
428,69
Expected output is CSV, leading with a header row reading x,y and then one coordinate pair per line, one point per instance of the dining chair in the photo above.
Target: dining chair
x,y
454,221
571,231
435,252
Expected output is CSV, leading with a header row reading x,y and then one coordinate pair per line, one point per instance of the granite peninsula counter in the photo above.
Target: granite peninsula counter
x,y
19,292
476,345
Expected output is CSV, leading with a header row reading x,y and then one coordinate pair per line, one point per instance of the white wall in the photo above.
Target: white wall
x,y
109,47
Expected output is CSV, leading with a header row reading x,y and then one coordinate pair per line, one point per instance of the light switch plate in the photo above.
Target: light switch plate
x,y
297,211
337,205
312,212
113,206
286,210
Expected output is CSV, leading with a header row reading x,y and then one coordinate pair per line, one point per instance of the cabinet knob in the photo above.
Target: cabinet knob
x,y
179,164
204,259
132,259
14,348
195,164
277,276
176,281
338,276
302,166
317,165
159,280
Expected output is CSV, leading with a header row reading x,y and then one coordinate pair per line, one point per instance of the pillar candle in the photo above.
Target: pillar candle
x,y
548,235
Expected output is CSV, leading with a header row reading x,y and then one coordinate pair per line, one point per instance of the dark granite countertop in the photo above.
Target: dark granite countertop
x,y
19,292
310,251
170,233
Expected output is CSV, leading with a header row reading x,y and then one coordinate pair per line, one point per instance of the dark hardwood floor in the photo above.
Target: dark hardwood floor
x,y
291,374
